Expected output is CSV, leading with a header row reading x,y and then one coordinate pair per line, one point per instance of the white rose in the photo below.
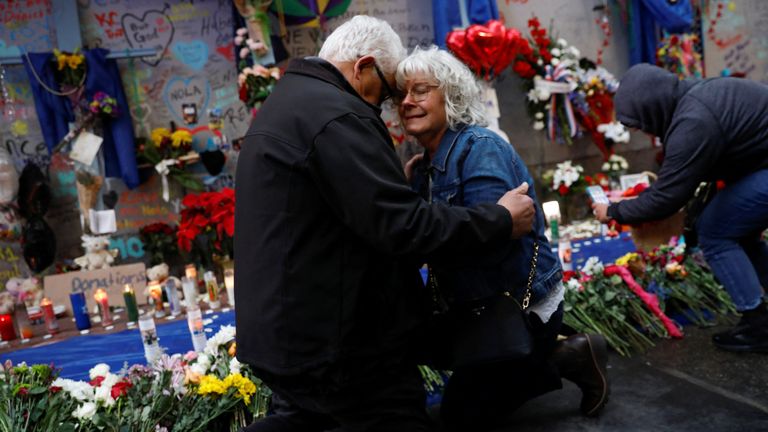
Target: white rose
x,y
85,411
538,115
103,394
544,94
100,370
540,62
539,125
562,42
573,284
556,52
606,166
555,61
575,52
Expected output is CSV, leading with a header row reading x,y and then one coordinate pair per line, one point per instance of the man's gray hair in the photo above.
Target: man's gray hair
x,y
364,35
463,103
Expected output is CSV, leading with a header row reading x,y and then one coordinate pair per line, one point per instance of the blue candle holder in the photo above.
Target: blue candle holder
x,y
80,311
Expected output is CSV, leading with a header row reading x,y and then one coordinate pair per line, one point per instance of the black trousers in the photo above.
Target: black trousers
x,y
483,397
386,398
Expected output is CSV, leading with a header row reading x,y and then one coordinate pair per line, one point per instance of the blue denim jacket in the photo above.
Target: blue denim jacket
x,y
473,165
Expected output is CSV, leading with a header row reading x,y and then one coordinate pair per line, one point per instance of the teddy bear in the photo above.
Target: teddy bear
x,y
97,253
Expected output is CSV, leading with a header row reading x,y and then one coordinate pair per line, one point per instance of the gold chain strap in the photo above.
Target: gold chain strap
x,y
531,275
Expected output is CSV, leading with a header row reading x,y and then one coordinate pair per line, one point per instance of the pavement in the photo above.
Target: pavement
x,y
679,385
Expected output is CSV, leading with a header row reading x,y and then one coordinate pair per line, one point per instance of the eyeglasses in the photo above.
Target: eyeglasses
x,y
388,93
419,93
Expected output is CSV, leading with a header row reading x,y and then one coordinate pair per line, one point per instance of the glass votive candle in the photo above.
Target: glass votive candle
x,y
131,308
51,324
189,286
149,339
101,299
229,284
173,297
7,331
212,286
156,293
80,311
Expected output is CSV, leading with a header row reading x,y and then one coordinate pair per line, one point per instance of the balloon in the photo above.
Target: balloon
x,y
39,244
213,161
487,49
34,192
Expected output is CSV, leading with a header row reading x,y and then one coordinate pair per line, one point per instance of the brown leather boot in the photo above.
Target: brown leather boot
x,y
582,359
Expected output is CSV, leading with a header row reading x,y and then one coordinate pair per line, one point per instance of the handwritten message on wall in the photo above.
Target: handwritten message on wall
x,y
195,66
738,39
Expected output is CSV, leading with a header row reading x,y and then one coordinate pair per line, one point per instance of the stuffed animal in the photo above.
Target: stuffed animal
x,y
25,290
97,253
158,273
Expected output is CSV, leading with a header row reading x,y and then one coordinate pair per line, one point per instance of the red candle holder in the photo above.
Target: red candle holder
x,y
7,331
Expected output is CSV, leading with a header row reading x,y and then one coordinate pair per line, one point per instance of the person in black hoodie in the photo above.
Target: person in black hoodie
x,y
712,129
329,238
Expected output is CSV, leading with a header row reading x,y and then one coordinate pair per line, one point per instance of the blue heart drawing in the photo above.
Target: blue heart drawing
x,y
186,90
193,54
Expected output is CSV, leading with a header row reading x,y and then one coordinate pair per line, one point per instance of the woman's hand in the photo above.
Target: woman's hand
x,y
411,164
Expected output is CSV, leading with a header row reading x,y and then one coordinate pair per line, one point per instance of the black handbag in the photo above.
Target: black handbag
x,y
492,329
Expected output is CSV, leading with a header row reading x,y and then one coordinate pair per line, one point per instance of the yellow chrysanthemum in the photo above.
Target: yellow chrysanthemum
x,y
159,134
62,59
209,384
180,137
75,60
626,259
245,387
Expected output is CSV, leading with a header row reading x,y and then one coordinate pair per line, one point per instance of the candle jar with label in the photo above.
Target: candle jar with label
x,y
212,286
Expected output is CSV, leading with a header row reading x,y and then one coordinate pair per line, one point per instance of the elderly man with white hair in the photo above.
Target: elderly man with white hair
x,y
330,304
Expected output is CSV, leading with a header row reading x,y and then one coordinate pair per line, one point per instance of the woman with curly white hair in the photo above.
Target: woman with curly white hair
x,y
465,164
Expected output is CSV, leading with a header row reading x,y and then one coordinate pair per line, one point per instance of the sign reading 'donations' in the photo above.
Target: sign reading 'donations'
x,y
112,280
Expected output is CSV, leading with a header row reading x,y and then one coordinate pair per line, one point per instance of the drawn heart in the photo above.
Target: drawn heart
x,y
193,54
227,51
181,90
153,30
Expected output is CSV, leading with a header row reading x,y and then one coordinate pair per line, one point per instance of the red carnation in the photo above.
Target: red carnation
x,y
533,22
120,389
523,69
563,189
96,381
